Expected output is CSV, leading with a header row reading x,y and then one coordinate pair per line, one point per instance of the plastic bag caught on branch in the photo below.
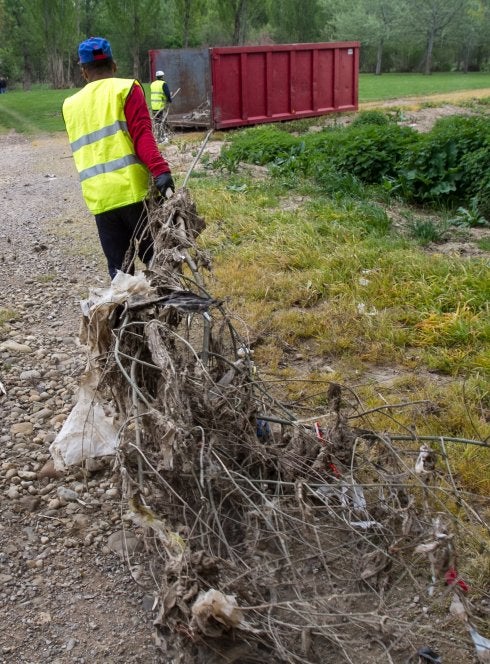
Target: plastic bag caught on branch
x,y
87,433
97,310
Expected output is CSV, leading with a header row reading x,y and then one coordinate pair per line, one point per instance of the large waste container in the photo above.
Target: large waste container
x,y
237,86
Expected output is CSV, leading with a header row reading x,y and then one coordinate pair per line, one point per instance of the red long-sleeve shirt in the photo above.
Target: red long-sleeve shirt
x,y
139,127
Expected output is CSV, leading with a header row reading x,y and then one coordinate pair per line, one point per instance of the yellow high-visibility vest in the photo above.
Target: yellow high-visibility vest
x,y
157,98
111,174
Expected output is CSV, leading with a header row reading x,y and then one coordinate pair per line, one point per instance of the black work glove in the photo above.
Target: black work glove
x,y
164,182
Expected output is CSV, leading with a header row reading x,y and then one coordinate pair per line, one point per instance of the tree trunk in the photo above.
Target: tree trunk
x,y
27,74
55,70
466,58
428,53
379,57
240,22
135,51
186,23
136,63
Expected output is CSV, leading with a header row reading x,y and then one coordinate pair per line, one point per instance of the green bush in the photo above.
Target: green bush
x,y
439,166
482,198
372,152
370,118
259,145
448,165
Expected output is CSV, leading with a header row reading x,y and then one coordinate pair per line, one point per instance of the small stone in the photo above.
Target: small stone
x,y
25,428
43,413
31,375
29,503
54,504
12,492
15,347
80,522
67,494
48,470
70,645
43,618
148,602
27,475
123,541
5,578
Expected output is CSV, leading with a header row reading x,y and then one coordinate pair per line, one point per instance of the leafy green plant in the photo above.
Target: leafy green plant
x,y
258,145
483,197
484,244
469,216
370,118
426,231
437,167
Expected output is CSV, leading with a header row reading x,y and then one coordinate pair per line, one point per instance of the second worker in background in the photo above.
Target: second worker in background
x,y
160,94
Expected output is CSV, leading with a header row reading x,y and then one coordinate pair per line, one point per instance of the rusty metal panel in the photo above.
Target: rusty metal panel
x,y
258,84
187,69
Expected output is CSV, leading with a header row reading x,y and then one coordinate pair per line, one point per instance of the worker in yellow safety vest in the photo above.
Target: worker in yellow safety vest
x,y
160,94
115,153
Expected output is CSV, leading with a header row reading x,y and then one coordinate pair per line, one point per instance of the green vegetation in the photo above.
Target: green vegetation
x,y
311,260
6,315
394,86
38,110
446,166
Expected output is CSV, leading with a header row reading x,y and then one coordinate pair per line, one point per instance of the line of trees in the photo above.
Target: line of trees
x,y
38,38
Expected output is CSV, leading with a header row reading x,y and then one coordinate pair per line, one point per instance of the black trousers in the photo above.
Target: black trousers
x,y
121,231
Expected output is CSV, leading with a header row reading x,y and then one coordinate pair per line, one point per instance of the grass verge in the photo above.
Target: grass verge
x,y
393,86
328,282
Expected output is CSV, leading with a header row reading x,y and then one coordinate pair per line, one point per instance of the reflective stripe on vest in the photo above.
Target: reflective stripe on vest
x,y
157,98
111,174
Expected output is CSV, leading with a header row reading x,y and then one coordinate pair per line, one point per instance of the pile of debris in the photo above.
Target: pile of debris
x,y
198,117
267,538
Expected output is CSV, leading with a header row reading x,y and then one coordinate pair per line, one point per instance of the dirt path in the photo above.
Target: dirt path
x,y
64,595
440,99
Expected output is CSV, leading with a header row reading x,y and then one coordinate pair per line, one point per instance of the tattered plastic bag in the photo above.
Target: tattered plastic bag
x,y
214,613
87,433
98,308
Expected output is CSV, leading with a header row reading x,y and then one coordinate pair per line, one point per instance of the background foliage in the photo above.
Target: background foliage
x,y
38,38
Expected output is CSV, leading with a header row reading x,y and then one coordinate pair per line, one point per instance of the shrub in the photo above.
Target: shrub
x,y
439,166
258,145
372,152
370,118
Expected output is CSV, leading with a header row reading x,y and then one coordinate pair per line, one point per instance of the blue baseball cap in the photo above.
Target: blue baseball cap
x,y
93,49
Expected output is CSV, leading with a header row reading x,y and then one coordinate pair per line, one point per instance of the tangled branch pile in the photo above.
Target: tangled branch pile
x,y
267,539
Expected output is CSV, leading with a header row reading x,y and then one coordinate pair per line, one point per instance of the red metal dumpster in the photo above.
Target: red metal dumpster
x,y
255,84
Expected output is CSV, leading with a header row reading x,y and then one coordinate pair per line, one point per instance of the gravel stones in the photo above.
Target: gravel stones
x,y
57,576
15,347
24,428
123,543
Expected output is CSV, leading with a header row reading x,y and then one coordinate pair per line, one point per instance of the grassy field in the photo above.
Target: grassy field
x,y
393,86
316,280
39,110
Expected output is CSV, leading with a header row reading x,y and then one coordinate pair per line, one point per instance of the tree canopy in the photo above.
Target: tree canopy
x,y
39,38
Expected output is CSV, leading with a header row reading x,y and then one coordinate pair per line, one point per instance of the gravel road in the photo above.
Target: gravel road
x,y
66,595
